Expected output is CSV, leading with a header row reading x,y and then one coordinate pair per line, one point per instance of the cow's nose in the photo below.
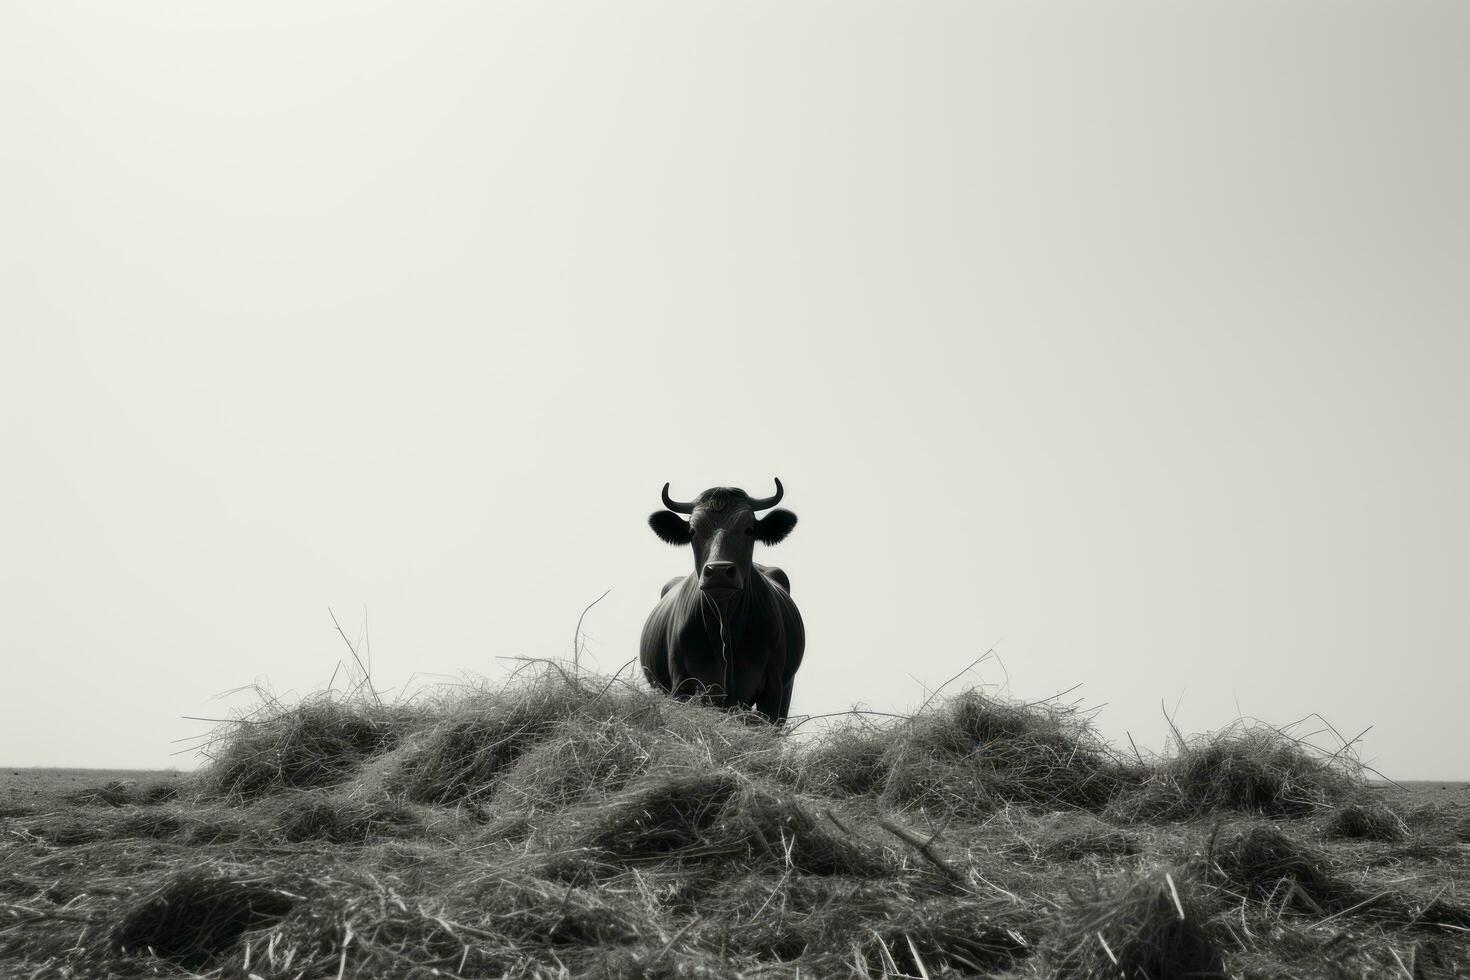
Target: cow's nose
x,y
720,575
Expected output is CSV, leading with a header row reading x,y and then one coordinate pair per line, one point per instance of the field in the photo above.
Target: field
x,y
571,826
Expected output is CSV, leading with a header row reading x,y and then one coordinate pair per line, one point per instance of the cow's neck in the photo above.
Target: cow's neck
x,y
732,613
725,624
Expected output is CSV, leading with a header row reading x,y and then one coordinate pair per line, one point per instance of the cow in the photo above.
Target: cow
x,y
728,633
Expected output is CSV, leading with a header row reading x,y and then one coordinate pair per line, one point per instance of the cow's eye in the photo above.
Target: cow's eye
x,y
750,532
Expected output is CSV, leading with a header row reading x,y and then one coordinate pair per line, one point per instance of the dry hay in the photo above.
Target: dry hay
x,y
125,793
970,756
1076,836
196,916
570,826
481,737
713,816
301,817
1140,929
1245,768
1370,821
577,732
316,743
491,926
1263,864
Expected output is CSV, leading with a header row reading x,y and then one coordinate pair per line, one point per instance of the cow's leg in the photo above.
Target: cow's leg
x,y
772,697
786,700
770,701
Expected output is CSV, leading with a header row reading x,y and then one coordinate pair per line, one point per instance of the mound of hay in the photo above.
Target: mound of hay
x,y
715,817
123,792
1372,821
1265,865
578,763
197,917
316,743
577,733
970,756
1247,769
619,736
476,739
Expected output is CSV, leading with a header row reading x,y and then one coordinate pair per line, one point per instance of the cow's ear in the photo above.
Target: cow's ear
x,y
669,526
774,527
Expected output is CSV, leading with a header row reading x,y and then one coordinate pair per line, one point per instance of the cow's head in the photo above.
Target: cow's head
x,y
723,529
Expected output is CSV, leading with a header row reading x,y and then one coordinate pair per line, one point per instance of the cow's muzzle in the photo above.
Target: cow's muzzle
x,y
721,579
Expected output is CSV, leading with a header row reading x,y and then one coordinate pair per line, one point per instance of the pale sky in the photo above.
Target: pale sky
x,y
1130,338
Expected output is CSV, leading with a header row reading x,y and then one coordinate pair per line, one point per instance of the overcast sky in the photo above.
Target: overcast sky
x,y
1129,338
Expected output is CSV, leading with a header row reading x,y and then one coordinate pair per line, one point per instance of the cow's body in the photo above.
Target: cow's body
x,y
729,633
752,666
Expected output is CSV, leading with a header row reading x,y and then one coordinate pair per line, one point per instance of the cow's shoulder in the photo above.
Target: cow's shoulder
x,y
777,575
671,583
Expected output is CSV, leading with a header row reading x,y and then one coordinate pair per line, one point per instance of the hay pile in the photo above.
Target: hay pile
x,y
566,826
316,743
968,757
1246,768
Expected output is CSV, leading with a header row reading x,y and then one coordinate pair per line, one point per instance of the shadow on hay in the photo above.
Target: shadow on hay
x,y
1265,865
1143,929
197,917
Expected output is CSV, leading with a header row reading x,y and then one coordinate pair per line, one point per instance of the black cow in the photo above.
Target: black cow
x,y
728,633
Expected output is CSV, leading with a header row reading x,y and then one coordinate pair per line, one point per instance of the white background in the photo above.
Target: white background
x,y
1129,337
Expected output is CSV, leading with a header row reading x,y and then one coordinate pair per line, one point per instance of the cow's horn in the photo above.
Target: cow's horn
x,y
678,507
768,502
